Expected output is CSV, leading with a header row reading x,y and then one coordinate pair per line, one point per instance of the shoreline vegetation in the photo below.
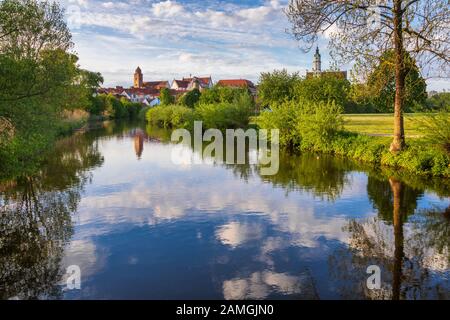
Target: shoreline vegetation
x,y
310,125
44,93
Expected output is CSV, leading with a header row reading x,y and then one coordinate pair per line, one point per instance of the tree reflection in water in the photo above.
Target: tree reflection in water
x,y
36,220
412,253
410,245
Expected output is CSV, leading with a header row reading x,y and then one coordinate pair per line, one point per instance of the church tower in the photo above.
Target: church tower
x,y
317,65
138,78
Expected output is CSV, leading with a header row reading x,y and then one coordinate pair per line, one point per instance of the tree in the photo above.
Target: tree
x,y
326,88
191,98
166,97
276,86
439,101
366,28
381,84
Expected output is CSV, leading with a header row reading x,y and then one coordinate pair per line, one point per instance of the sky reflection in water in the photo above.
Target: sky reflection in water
x,y
144,228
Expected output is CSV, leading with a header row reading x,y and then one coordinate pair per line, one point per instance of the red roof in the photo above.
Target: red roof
x,y
156,84
182,83
243,83
142,91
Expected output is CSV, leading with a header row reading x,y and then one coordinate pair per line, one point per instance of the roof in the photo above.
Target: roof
x,y
203,80
142,91
236,83
138,70
182,83
156,84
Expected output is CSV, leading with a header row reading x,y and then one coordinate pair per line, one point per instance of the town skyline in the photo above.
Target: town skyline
x,y
176,38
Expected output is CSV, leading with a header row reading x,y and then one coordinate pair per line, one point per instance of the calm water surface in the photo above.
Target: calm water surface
x,y
140,227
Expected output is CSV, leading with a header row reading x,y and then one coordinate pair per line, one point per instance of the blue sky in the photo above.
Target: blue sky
x,y
174,38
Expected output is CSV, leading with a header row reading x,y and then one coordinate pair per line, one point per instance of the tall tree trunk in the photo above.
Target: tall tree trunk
x,y
397,191
399,131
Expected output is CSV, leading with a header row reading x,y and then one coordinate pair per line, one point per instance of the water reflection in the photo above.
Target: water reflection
x,y
112,202
36,220
413,253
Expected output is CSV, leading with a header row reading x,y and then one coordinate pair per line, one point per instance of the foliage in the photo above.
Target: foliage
x,y
327,88
276,87
191,98
172,116
282,116
111,107
436,129
226,115
219,94
318,123
418,28
439,101
166,97
317,127
38,78
381,84
223,115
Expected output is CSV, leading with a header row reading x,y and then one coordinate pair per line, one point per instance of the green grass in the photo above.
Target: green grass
x,y
381,124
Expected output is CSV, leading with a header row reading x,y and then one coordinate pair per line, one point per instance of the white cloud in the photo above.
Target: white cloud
x,y
167,9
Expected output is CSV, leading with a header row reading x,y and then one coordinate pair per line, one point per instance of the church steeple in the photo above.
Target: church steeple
x,y
317,64
138,78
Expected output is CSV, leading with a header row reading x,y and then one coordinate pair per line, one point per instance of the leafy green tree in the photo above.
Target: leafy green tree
x,y
439,101
326,88
166,97
276,87
132,108
220,94
191,98
381,84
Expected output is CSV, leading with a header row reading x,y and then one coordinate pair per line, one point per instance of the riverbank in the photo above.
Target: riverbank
x,y
418,157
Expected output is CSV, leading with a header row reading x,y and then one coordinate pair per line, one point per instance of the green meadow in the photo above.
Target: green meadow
x,y
382,124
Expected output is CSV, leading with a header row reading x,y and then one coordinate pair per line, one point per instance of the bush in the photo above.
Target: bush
x,y
222,115
277,87
172,116
303,124
318,123
219,94
324,89
310,126
191,98
132,109
436,129
226,115
282,116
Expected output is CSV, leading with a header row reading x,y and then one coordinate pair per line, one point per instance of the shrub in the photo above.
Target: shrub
x,y
226,115
172,116
436,129
282,116
219,94
132,109
318,123
166,97
276,87
324,89
303,125
191,98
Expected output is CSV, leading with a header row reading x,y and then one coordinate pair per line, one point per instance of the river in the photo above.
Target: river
x,y
112,203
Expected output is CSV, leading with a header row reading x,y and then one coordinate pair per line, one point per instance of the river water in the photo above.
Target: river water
x,y
137,226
